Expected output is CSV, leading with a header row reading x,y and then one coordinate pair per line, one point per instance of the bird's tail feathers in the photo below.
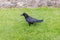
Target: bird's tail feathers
x,y
39,21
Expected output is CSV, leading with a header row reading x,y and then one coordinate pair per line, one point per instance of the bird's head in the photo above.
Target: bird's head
x,y
25,15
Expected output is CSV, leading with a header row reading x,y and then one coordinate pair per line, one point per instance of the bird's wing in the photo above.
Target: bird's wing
x,y
30,19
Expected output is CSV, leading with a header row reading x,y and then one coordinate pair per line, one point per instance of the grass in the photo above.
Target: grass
x,y
14,27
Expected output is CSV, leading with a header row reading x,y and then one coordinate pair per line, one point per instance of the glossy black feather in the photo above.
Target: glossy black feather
x,y
30,20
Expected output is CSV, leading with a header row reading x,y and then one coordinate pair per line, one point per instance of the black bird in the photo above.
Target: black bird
x,y
30,20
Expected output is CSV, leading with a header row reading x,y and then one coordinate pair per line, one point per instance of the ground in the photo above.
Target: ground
x,y
14,27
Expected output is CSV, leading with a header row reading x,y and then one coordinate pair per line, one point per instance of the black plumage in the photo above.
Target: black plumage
x,y
30,20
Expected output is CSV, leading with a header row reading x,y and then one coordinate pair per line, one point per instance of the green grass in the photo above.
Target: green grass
x,y
14,27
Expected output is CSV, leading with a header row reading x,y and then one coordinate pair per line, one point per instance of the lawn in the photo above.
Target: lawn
x,y
14,27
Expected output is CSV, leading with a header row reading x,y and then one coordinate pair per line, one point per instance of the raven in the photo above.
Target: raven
x,y
30,20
